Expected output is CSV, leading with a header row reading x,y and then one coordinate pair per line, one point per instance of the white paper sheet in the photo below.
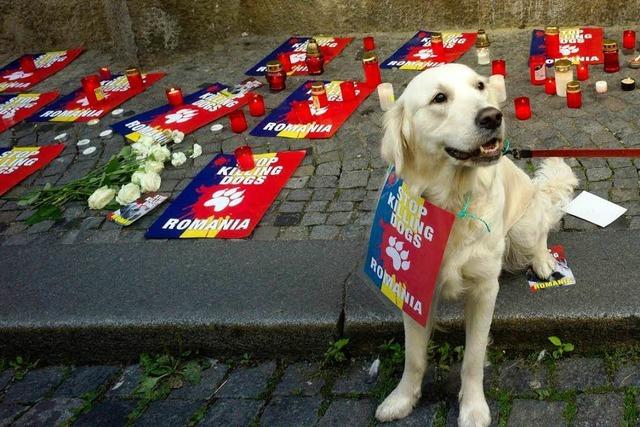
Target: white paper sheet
x,y
594,209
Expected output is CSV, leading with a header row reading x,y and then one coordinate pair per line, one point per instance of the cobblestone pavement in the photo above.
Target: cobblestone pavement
x,y
578,391
333,192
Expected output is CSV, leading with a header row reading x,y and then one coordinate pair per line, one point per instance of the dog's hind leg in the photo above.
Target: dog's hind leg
x,y
401,401
478,311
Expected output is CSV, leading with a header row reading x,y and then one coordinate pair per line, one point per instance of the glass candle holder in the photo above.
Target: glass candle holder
x,y
238,121
552,41
550,86
437,46
104,73
244,157
368,43
371,68
27,63
386,96
256,105
314,58
301,112
285,60
537,72
174,96
629,40
347,91
319,95
574,94
523,108
134,77
611,61
482,48
499,66
276,76
582,71
92,89
564,74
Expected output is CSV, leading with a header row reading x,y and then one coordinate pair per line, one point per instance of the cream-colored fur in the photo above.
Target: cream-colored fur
x,y
519,210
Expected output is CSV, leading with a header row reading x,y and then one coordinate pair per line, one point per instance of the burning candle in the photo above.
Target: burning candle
x,y
582,71
437,47
552,41
574,94
314,59
238,121
285,60
550,86
174,96
256,105
369,43
276,76
564,74
601,86
372,75
92,89
302,112
610,51
244,157
523,108
482,48
135,79
104,73
27,64
319,95
499,66
348,91
496,82
537,71
386,96
629,40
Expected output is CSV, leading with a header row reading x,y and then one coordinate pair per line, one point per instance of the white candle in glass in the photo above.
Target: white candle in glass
x,y
601,86
386,96
498,87
484,55
564,74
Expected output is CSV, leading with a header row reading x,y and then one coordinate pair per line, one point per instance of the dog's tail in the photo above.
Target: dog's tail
x,y
554,184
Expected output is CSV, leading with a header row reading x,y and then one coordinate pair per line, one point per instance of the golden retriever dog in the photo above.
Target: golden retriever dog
x,y
445,136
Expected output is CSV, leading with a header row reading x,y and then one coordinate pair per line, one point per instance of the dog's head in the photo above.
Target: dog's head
x,y
446,115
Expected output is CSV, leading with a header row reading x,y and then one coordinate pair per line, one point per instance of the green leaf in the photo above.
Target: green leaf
x,y
44,213
555,341
192,372
147,385
567,347
125,151
29,199
112,166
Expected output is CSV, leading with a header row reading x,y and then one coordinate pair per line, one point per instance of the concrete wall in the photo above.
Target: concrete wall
x,y
147,28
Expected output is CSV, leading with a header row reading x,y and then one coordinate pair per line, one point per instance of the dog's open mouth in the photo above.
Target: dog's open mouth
x,y
487,152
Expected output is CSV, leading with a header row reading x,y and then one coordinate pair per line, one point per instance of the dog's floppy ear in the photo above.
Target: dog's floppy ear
x,y
396,146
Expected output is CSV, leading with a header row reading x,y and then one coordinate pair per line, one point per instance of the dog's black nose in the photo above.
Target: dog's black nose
x,y
489,118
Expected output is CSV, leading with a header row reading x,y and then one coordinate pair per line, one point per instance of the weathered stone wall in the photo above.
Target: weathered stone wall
x,y
147,28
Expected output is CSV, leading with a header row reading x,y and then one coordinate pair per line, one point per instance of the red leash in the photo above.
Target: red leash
x,y
526,153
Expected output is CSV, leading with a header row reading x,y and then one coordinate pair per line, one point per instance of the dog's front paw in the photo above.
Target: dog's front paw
x,y
397,405
544,265
474,413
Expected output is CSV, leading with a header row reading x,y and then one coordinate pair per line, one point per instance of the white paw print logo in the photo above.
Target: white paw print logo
x,y
84,102
400,258
424,54
568,49
224,198
17,75
180,116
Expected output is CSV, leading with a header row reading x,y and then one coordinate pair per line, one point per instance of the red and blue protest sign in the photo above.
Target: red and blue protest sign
x,y
416,54
225,202
16,108
283,120
579,44
406,246
17,163
296,49
75,106
14,78
199,108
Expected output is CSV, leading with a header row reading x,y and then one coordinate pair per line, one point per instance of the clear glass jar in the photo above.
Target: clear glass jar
x,y
564,74
482,48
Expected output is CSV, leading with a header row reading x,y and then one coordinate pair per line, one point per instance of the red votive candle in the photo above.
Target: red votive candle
x,y
92,89
371,68
552,41
174,96
610,52
256,105
582,71
238,121
285,60
523,108
244,157
276,76
629,40
574,94
537,71
104,73
550,86
27,63
348,91
135,79
369,43
499,66
437,47
314,58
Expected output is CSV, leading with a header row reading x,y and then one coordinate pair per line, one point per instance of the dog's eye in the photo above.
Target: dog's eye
x,y
439,98
480,85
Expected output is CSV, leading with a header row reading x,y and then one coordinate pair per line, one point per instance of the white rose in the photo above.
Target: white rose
x,y
178,159
101,197
197,151
141,150
137,177
153,166
146,140
159,153
150,182
177,136
128,193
